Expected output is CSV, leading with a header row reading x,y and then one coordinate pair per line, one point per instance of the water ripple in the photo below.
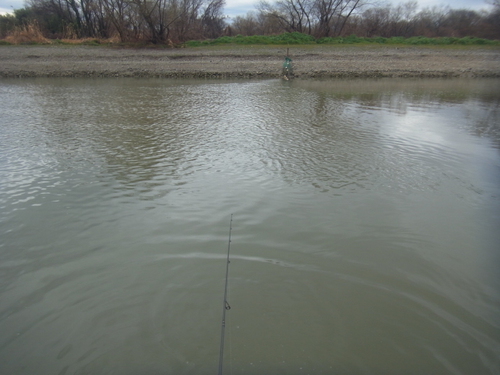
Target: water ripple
x,y
366,225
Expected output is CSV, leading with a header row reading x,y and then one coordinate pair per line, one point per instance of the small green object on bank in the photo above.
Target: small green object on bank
x,y
287,68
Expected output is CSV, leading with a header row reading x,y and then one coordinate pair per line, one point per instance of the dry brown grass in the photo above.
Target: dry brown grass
x,y
112,40
81,41
31,34
27,34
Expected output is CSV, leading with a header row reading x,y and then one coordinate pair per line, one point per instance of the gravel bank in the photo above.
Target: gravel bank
x,y
248,61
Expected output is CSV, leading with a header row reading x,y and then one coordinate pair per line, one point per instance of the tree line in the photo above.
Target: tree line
x,y
334,18
155,21
177,21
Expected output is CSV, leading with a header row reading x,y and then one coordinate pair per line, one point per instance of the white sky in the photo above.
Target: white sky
x,y
241,7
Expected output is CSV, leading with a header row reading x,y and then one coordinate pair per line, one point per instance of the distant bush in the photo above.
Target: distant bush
x,y
293,38
329,40
285,38
396,40
417,40
353,39
299,38
379,40
477,41
449,41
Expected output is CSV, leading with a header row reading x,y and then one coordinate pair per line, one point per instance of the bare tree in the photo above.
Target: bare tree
x,y
403,19
292,15
462,22
491,25
431,21
246,25
118,12
332,15
376,21
155,14
185,16
213,19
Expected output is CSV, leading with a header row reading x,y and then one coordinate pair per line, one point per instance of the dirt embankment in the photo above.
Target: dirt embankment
x,y
248,61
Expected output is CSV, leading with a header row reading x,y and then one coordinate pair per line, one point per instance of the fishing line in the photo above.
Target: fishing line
x,y
230,325
225,304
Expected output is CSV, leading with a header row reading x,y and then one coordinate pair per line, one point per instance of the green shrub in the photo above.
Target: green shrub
x,y
329,40
299,38
293,38
396,40
351,39
379,40
254,39
223,40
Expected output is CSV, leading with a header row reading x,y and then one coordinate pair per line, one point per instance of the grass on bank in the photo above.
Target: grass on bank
x,y
298,38
31,34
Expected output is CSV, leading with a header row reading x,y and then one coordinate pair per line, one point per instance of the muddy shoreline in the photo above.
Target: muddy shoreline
x,y
248,62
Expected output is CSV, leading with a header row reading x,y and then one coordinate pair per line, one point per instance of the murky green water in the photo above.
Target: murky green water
x,y
365,233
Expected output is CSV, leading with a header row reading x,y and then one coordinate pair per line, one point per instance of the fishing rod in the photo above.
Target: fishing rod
x,y
225,304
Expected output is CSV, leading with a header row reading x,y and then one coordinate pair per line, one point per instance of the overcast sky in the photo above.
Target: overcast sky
x,y
241,7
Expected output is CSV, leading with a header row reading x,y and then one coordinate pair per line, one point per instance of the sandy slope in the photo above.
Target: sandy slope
x,y
248,61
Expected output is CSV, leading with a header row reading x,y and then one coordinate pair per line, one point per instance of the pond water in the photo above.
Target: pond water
x,y
365,232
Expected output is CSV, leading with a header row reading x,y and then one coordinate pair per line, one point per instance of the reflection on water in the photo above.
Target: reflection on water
x,y
365,238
